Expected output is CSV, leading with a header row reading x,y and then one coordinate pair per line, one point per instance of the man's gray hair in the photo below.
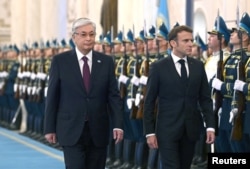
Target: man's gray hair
x,y
82,22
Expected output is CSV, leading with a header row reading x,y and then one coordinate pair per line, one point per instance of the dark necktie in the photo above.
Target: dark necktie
x,y
86,73
183,70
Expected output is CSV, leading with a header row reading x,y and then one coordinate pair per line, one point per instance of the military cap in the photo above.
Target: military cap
x,y
100,40
162,31
118,39
71,43
245,23
15,48
35,45
10,47
107,38
221,27
25,47
176,24
199,42
151,34
141,36
48,44
130,37
63,43
54,43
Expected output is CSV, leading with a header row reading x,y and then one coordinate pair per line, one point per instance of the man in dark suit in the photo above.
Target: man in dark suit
x,y
179,88
81,85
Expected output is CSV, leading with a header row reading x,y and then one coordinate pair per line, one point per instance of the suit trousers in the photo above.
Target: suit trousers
x,y
84,154
177,154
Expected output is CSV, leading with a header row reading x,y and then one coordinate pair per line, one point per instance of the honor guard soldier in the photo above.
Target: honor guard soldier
x,y
32,108
123,75
107,44
150,57
141,148
98,44
242,85
198,48
161,42
64,46
5,110
9,77
117,45
200,156
218,41
114,158
239,40
107,50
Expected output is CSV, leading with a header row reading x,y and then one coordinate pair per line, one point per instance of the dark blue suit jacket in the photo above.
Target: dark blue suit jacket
x,y
68,103
177,102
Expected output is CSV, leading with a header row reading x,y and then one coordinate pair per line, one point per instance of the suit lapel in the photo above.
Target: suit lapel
x,y
96,65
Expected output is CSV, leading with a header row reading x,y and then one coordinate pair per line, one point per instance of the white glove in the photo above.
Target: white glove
x,y
138,98
239,85
143,80
123,79
233,113
217,83
130,102
135,80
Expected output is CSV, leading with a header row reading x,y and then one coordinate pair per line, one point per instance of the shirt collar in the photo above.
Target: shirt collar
x,y
176,58
80,55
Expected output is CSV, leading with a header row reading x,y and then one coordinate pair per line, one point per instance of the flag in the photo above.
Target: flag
x,y
162,14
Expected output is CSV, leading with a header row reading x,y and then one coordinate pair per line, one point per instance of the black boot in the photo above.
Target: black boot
x,y
118,156
128,154
110,153
152,158
141,152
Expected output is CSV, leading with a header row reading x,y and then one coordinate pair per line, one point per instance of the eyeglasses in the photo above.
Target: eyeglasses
x,y
85,35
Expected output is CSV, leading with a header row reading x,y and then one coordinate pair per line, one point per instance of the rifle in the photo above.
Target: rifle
x,y
238,99
4,73
217,94
40,79
123,87
26,76
143,87
134,87
18,80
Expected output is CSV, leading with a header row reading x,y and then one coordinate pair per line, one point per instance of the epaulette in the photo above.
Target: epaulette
x,y
226,55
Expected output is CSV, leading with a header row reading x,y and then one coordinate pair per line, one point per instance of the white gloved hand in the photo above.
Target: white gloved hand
x,y
123,79
135,80
239,85
138,98
130,102
143,80
217,83
233,113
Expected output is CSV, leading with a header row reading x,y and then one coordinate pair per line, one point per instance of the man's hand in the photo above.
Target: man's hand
x,y
210,137
118,135
152,141
51,138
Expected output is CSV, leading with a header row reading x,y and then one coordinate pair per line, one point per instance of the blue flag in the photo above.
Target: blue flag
x,y
162,14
